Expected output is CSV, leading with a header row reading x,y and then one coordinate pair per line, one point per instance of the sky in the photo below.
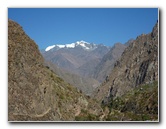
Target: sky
x,y
49,26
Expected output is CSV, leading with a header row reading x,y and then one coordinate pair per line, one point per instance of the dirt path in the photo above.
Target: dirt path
x,y
44,113
37,115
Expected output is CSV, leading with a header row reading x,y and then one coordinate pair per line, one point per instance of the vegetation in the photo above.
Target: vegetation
x,y
86,116
140,104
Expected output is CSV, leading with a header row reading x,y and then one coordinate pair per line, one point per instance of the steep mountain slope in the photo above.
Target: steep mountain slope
x,y
87,69
137,65
106,65
35,92
130,92
85,85
129,42
139,104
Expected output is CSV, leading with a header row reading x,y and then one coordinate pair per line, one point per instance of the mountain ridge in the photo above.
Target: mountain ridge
x,y
85,45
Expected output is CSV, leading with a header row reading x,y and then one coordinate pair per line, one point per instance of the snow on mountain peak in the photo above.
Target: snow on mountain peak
x,y
49,47
85,45
82,42
61,46
72,45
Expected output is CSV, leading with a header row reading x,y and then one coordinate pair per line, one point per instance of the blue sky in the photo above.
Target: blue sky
x,y
49,26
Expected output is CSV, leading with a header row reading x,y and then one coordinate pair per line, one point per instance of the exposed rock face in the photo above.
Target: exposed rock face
x,y
104,68
34,91
137,65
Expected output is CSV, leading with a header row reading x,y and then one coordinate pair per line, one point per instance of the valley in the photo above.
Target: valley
x,y
84,65
83,81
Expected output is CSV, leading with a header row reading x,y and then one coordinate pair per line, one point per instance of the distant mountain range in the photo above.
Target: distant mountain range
x,y
82,58
89,61
83,44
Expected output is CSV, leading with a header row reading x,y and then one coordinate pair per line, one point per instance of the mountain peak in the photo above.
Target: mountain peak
x,y
85,45
49,47
82,42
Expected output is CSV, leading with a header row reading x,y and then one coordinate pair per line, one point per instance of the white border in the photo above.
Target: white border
x,y
72,3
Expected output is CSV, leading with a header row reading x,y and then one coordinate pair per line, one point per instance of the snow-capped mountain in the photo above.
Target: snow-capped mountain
x,y
85,45
78,57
